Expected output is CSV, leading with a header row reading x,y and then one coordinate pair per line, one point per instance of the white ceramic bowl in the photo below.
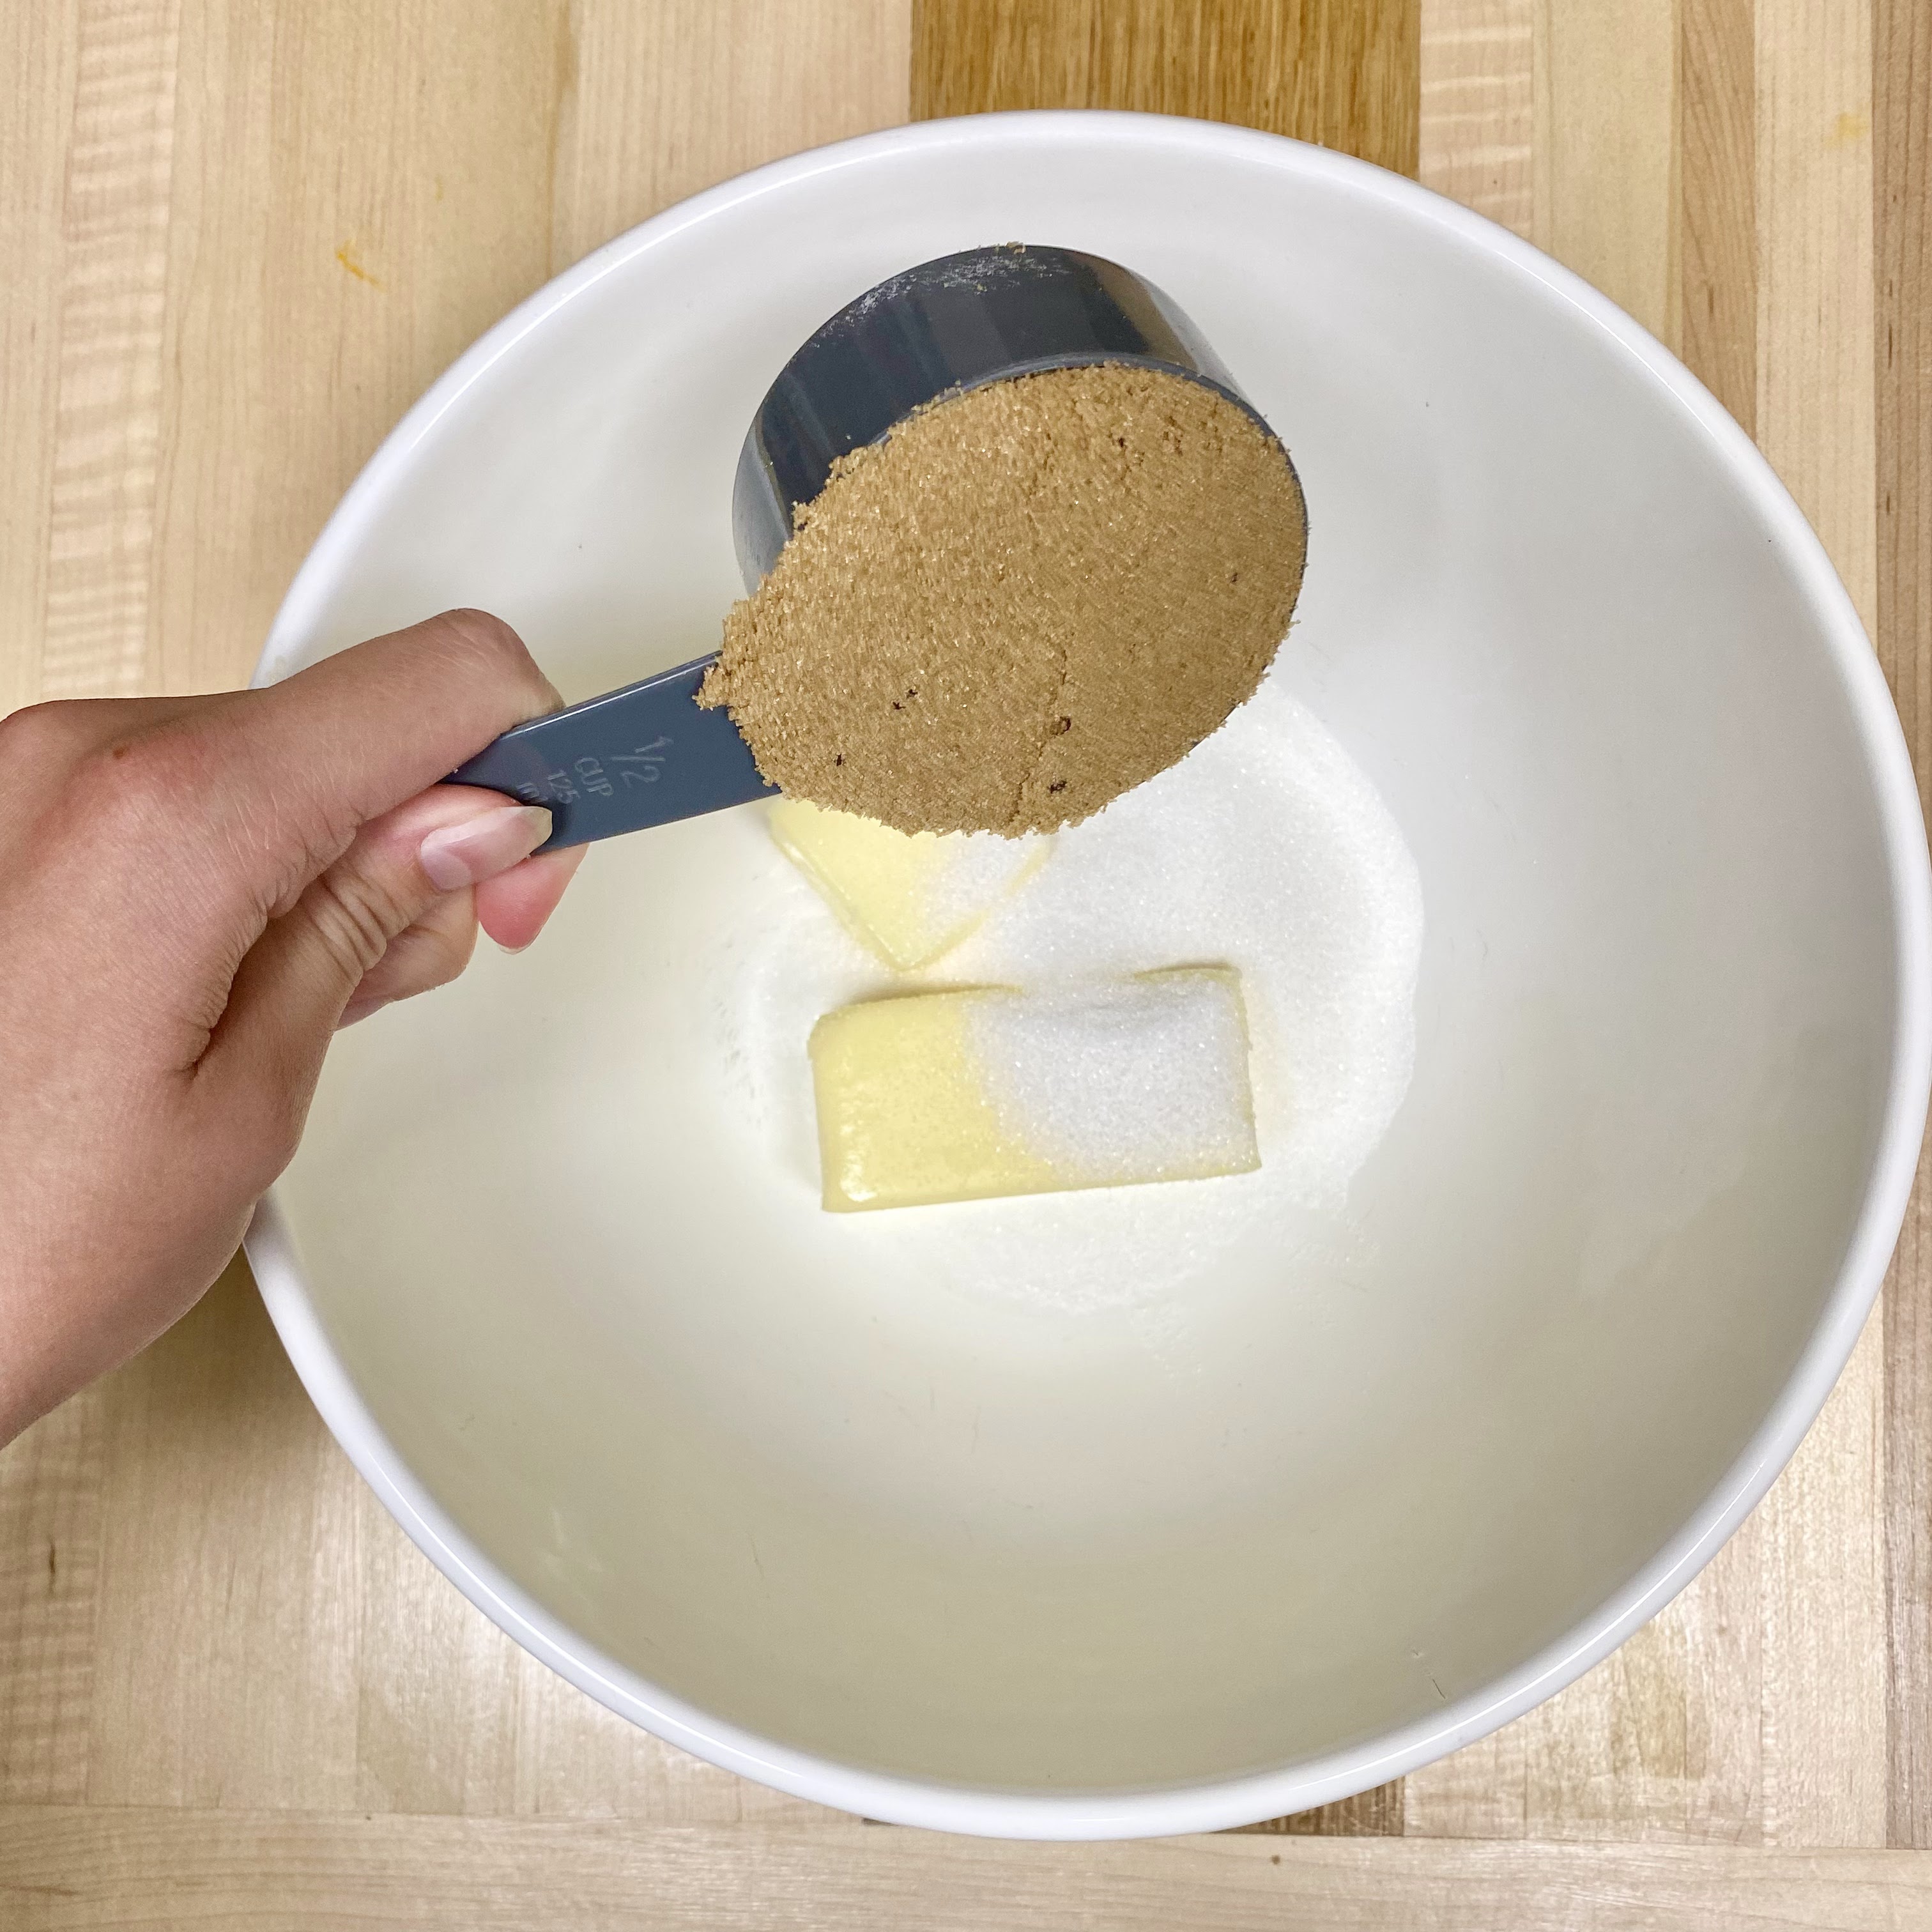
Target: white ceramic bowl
x,y
1350,1502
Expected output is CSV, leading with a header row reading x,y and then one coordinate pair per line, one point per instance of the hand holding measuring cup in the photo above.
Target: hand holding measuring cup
x,y
195,893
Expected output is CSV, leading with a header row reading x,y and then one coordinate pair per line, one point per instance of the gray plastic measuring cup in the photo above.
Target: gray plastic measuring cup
x,y
646,754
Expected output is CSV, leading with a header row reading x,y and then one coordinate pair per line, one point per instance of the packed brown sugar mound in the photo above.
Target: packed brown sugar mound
x,y
1028,599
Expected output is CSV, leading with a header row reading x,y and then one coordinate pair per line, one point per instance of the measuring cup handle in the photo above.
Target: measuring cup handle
x,y
644,755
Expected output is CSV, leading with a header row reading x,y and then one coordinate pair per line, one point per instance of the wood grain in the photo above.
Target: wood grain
x,y
186,202
634,134
575,1759
225,1644
1345,73
317,285
1742,1714
1605,79
1902,210
38,50
1824,1608
67,1870
113,300
1378,1813
50,1518
1717,125
1902,201
1477,141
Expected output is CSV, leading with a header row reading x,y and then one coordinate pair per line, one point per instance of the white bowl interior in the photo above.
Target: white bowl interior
x,y
1368,1462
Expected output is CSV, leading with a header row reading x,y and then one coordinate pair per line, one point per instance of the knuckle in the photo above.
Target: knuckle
x,y
355,918
43,739
485,645
445,953
429,954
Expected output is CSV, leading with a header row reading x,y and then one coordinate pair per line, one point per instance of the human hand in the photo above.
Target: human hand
x,y
195,893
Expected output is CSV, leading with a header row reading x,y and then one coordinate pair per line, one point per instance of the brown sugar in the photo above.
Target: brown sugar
x,y
1028,599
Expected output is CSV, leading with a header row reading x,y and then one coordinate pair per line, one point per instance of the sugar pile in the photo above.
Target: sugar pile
x,y
1266,849
910,897
956,1093
1144,1077
973,872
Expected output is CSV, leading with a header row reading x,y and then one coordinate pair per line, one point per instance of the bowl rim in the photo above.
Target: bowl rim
x,y
1341,1773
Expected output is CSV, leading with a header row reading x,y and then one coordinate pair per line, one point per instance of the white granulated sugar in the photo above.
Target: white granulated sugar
x,y
910,899
1266,850
978,867
1146,1078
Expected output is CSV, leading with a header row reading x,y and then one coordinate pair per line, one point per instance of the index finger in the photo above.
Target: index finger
x,y
303,764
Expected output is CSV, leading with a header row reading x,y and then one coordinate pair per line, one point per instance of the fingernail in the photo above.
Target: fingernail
x,y
479,848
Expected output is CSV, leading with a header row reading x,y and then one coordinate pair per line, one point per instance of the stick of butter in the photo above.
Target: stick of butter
x,y
984,1091
909,897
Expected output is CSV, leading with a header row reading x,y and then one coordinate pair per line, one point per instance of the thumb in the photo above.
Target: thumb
x,y
289,991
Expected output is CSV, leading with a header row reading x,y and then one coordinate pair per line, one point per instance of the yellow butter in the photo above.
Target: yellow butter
x,y
903,1118
982,1091
910,897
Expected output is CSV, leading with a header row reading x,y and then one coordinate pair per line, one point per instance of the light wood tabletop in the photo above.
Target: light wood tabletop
x,y
240,239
